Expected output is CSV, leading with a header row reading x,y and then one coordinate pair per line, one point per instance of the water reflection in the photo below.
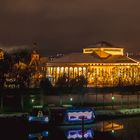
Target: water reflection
x,y
109,126
39,136
121,129
79,134
96,131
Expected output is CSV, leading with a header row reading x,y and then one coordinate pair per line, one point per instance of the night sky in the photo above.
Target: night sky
x,y
69,25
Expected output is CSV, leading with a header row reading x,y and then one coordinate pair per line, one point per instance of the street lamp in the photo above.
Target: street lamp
x,y
33,100
71,99
113,98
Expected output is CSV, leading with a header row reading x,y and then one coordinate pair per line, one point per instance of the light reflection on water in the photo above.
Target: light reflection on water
x,y
41,135
121,129
109,126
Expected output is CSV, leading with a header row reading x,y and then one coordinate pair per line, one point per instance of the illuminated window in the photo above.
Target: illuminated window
x,y
66,70
75,71
58,70
62,70
84,71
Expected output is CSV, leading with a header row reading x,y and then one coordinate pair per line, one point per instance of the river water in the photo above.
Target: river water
x,y
121,129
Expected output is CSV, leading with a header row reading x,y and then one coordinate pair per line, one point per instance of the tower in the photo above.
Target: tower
x,y
35,58
35,66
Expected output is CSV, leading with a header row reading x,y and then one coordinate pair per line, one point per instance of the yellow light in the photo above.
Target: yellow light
x,y
62,69
84,68
113,98
58,69
113,131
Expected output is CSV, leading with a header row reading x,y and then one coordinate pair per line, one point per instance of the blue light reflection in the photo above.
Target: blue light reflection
x,y
78,134
43,134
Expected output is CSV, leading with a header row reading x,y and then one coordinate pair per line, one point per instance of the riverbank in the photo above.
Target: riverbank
x,y
114,114
119,112
99,113
89,89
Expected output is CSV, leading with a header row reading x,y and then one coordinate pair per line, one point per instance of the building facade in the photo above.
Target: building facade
x,y
103,64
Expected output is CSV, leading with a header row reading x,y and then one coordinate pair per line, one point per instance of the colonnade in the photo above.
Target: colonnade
x,y
98,75
71,72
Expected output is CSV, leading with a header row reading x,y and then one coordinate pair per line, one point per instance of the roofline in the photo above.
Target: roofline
x,y
104,48
91,64
132,59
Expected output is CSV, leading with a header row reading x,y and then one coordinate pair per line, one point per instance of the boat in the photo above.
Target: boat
x,y
39,115
72,115
79,115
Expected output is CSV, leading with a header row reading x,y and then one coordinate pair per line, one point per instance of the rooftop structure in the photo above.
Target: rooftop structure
x,y
104,49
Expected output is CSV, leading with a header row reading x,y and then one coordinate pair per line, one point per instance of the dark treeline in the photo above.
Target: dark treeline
x,y
14,68
17,73
65,85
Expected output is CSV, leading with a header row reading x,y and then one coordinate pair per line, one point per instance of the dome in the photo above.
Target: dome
x,y
103,44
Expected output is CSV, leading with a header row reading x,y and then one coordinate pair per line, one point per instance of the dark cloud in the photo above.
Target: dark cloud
x,y
11,49
69,25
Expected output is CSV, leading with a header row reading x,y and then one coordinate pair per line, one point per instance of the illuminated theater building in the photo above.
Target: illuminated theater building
x,y
102,64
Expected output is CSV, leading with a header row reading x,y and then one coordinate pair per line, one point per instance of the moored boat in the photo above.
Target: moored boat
x,y
79,115
39,115
72,115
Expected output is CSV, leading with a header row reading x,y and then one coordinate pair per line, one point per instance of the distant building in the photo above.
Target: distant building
x,y
37,64
29,72
103,64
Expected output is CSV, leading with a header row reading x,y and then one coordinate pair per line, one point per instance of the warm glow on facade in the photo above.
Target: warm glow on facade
x,y
112,51
1,54
110,67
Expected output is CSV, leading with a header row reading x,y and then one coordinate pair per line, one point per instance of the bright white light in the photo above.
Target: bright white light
x,y
77,134
113,97
30,118
71,99
46,119
78,115
112,131
32,100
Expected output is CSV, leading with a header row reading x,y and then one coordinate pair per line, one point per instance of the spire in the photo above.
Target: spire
x,y
35,57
